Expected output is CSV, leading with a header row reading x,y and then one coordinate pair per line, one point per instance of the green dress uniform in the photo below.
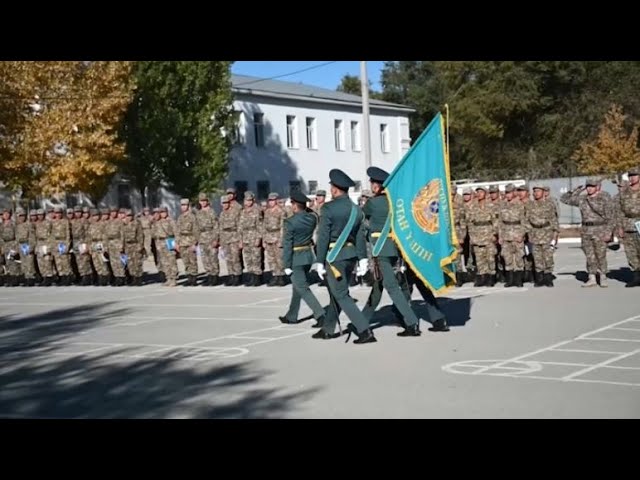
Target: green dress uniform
x,y
376,211
297,255
333,220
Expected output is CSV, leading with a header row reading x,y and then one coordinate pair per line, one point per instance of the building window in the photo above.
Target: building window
x,y
292,132
237,137
313,187
124,196
355,136
294,186
384,137
339,134
241,187
262,187
258,128
312,140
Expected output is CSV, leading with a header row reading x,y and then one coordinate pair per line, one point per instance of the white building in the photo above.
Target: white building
x,y
290,135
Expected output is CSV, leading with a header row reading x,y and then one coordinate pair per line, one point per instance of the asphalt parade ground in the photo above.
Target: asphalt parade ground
x,y
220,352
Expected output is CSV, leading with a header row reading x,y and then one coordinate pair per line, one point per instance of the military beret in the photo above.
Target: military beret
x,y
299,197
94,212
57,209
340,179
623,183
481,188
273,196
156,210
184,201
634,171
224,199
105,211
164,209
40,211
146,209
113,209
50,209
592,182
537,186
546,188
510,187
249,195
321,193
467,191
3,210
20,211
85,209
129,213
494,189
33,213
377,174
122,210
523,188
70,210
77,208
203,196
230,190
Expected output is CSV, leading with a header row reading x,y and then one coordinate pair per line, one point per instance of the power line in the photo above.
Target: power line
x,y
286,74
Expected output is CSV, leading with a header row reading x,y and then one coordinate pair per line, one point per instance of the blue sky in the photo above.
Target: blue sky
x,y
327,76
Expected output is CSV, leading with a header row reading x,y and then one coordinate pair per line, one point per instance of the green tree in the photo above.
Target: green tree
x,y
178,126
351,84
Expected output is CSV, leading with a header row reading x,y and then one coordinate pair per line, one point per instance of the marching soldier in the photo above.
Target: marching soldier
x,y
481,222
272,233
26,238
598,223
114,233
512,229
467,248
230,240
79,227
133,247
523,193
97,244
458,212
166,241
494,199
43,250
297,254
543,228
60,246
187,238
209,240
145,222
10,250
628,224
250,233
340,243
285,208
384,255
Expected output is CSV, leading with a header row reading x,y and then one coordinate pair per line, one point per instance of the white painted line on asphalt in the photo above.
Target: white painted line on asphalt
x,y
601,364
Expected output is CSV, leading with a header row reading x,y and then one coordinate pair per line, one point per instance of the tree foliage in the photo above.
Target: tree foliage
x,y
59,125
613,150
178,126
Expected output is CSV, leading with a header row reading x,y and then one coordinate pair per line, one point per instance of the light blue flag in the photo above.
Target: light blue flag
x,y
420,205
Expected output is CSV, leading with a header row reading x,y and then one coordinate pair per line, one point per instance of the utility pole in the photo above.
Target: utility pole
x,y
365,115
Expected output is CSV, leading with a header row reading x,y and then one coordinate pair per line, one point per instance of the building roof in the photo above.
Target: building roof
x,y
298,91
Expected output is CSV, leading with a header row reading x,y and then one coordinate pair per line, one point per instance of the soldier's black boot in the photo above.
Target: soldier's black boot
x,y
479,282
440,325
412,331
237,281
365,337
635,280
528,276
548,279
193,281
213,280
539,280
46,282
31,282
509,279
282,281
162,277
258,281
517,278
460,279
272,282
491,281
2,280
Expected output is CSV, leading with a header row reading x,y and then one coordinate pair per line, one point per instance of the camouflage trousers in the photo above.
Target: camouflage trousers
x,y
146,235
595,249
631,242
252,258
83,261
274,257
485,259
543,257
190,259
28,266
134,262
102,267
63,263
209,254
512,254
11,266
45,262
116,263
159,246
168,261
232,258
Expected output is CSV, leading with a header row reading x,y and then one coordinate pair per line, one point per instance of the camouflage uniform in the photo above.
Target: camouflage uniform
x,y
230,241
10,252
97,246
43,251
499,258
512,230
482,225
209,241
26,238
598,221
458,212
250,232
133,245
628,213
187,237
81,250
166,229
543,227
145,224
114,236
272,228
60,246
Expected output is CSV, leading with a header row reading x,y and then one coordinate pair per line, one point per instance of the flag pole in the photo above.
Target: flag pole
x,y
365,115
446,109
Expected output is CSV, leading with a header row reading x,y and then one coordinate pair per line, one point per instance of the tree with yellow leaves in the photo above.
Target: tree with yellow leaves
x,y
614,150
59,126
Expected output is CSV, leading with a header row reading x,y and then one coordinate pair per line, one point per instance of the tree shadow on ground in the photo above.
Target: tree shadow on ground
x,y
47,371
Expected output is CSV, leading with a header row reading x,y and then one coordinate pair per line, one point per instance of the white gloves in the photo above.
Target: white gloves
x,y
288,271
403,268
362,268
318,267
